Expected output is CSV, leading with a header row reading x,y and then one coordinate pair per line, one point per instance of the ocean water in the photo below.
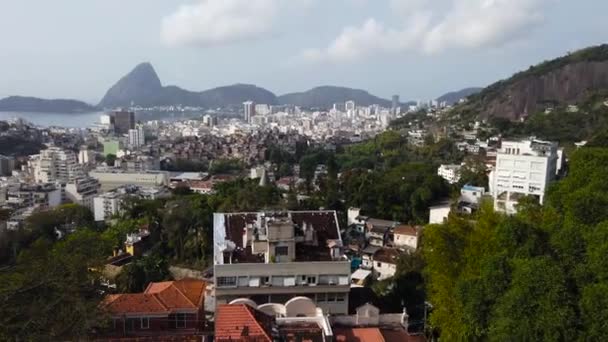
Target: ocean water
x,y
82,120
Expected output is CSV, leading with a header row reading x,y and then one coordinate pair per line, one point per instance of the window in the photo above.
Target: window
x,y
180,320
254,282
312,280
378,264
226,281
281,250
244,281
331,297
340,297
266,280
145,322
278,281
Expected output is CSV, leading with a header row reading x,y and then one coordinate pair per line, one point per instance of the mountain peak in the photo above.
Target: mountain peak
x,y
138,86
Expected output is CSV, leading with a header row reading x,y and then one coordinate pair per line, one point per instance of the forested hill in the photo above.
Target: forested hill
x,y
34,104
564,80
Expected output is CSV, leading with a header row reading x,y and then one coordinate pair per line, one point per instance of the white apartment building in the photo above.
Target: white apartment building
x,y
82,191
56,165
109,204
522,168
111,179
137,137
272,257
449,172
86,156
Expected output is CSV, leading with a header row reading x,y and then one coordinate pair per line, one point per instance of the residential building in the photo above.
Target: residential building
x,y
110,203
123,121
137,137
7,165
86,156
55,164
297,320
111,179
439,213
449,172
406,237
385,262
349,106
82,191
248,111
472,194
46,196
171,308
523,168
272,257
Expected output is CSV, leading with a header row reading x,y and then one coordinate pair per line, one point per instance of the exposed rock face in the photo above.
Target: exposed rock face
x,y
567,85
141,86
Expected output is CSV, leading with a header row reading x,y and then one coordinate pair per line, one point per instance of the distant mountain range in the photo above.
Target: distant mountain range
x,y
326,96
455,96
143,87
33,104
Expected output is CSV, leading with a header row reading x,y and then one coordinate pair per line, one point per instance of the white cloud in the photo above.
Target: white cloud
x,y
216,22
450,24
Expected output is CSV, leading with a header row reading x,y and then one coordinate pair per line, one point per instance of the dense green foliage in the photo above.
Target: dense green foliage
x,y
537,275
52,291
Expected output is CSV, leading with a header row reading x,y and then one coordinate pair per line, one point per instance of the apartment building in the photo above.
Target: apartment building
x,y
111,178
272,257
522,168
110,203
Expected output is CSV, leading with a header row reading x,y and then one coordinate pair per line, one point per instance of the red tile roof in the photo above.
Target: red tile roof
x,y
163,297
375,335
387,255
240,322
406,230
358,335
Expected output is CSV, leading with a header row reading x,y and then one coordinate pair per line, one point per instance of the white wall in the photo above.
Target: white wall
x,y
438,214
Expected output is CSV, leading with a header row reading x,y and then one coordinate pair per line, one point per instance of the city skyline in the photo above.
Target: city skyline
x,y
401,47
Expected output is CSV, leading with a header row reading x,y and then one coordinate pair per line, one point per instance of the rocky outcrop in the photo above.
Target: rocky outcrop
x,y
569,84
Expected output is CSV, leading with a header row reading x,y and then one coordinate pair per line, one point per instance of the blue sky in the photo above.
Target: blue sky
x,y
418,49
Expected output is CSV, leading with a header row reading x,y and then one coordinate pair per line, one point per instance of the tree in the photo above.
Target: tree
x,y
136,275
53,292
111,159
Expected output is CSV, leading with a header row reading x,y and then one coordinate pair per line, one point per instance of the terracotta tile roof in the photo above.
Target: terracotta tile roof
x,y
387,255
358,335
240,322
406,230
400,335
162,297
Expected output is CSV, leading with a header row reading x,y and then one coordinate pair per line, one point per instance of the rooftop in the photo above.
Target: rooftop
x,y
387,255
240,322
406,230
159,298
241,237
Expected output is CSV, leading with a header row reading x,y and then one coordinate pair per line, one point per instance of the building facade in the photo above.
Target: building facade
x,y
274,257
523,168
123,121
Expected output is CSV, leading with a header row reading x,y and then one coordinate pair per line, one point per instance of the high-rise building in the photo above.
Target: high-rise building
x,y
56,165
349,105
273,257
85,155
137,137
248,110
523,168
7,165
123,121
395,102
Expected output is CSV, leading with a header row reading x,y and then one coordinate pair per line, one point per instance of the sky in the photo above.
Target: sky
x,y
418,49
